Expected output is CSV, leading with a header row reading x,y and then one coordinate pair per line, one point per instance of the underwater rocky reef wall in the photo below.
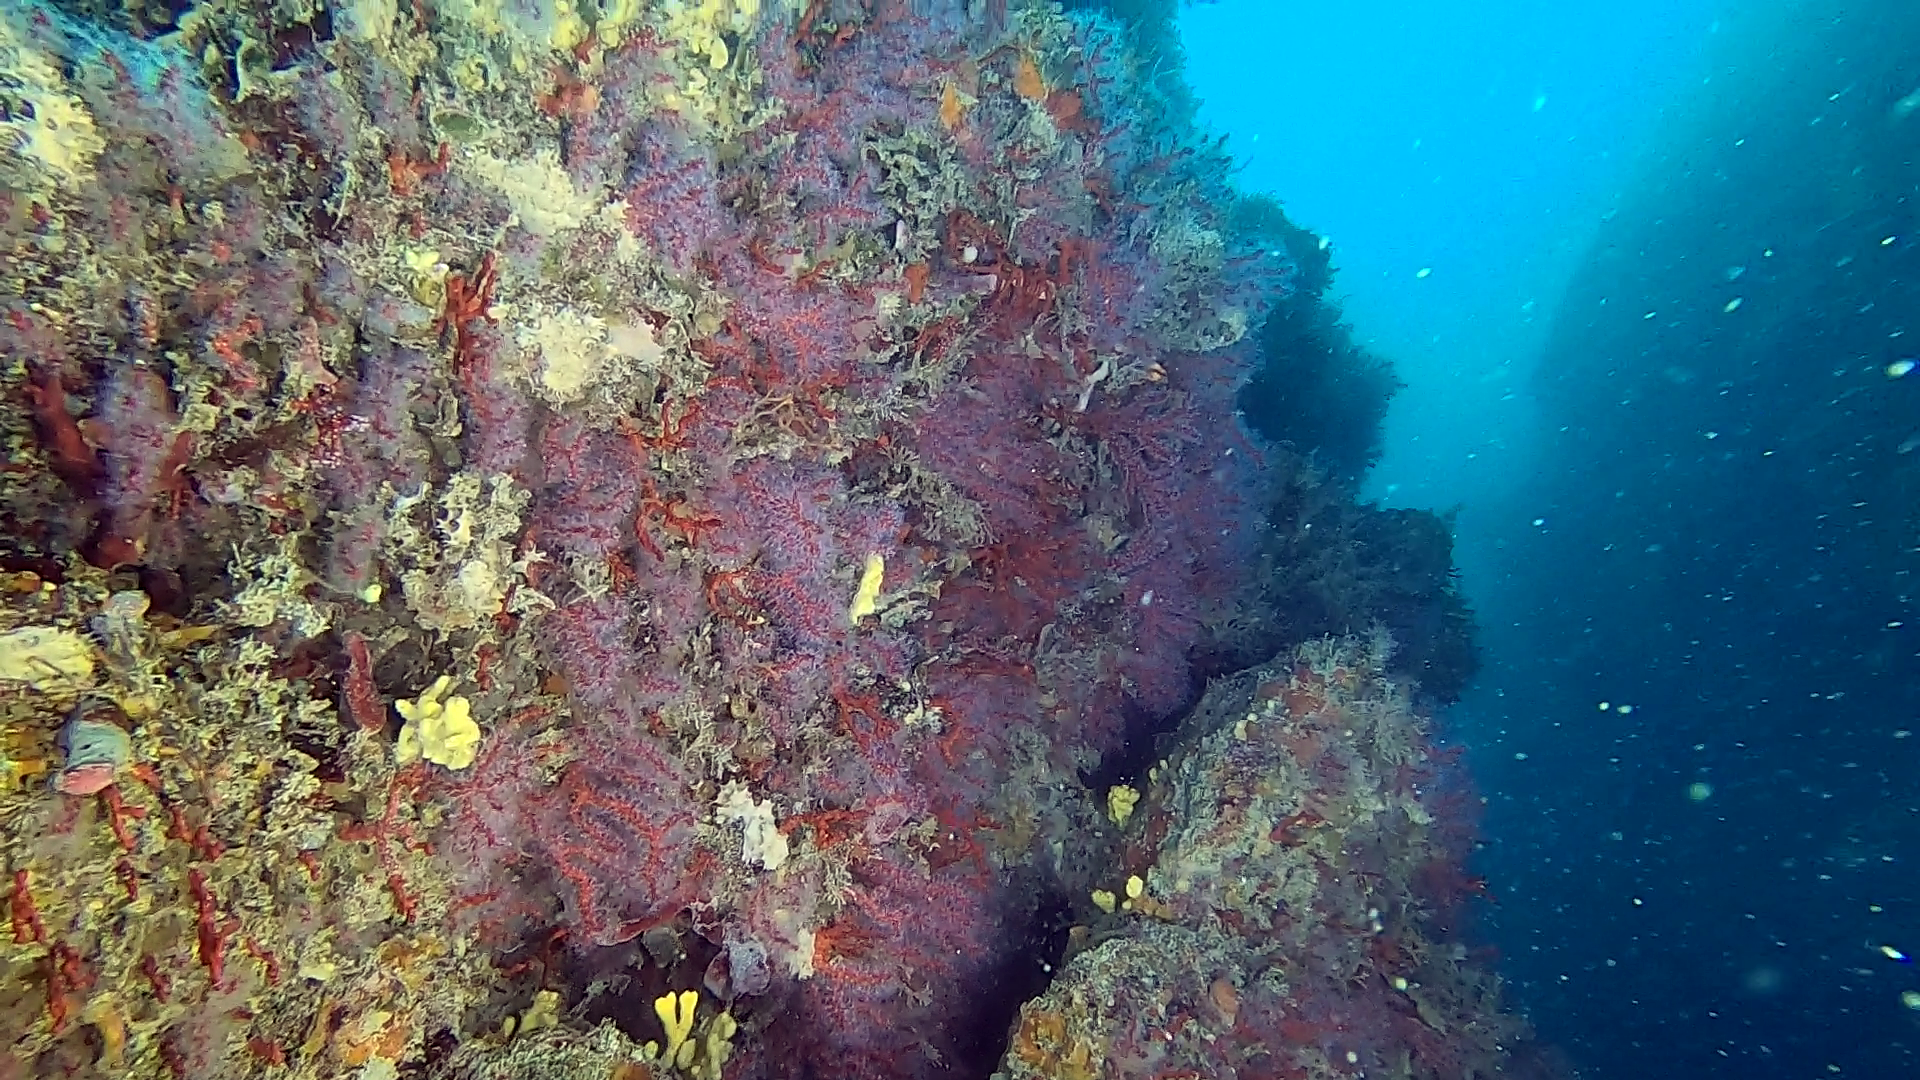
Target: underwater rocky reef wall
x,y
608,538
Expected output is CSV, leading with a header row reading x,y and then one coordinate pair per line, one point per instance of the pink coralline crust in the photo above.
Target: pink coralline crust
x,y
591,487
619,833
603,664
909,947
829,201
501,417
1159,678
334,131
27,334
1020,479
368,440
352,550
606,847
834,104
801,544
144,452
373,440
392,109
672,200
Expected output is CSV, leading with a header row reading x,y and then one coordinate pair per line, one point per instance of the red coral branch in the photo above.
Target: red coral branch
x,y
468,298
64,976
389,830
673,514
74,459
363,698
159,980
878,727
211,933
26,917
268,962
117,814
404,173
673,432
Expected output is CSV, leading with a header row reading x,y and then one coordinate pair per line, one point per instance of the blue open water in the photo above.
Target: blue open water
x,y
1652,274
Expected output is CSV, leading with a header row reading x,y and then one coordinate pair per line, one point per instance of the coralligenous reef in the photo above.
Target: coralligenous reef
x,y
679,539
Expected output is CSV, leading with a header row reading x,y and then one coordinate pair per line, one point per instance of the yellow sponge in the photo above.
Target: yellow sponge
x,y
676,1016
866,599
44,658
438,728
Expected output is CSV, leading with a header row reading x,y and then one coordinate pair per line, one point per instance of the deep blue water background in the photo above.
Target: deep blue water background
x,y
1647,270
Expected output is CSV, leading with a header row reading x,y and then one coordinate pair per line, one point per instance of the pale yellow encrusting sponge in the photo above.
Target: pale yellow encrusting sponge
x,y
45,658
46,128
438,728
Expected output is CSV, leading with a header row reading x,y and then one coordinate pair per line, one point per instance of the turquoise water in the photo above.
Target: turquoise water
x,y
1651,275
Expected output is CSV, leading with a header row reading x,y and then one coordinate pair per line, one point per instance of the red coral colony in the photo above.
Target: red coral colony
x,y
698,538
